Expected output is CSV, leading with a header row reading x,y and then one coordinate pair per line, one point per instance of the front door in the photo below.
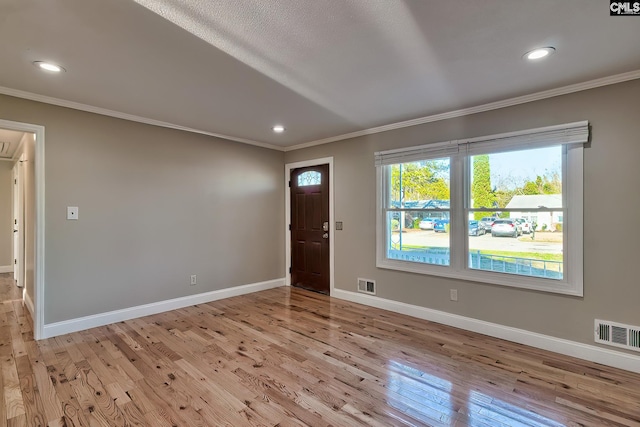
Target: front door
x,y
310,228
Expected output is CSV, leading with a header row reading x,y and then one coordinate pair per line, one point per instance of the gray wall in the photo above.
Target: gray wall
x,y
155,206
6,215
611,206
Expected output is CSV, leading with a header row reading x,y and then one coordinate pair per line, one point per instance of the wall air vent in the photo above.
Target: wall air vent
x,y
367,286
617,334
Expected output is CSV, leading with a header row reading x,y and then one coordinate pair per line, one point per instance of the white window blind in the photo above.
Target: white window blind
x,y
422,152
570,133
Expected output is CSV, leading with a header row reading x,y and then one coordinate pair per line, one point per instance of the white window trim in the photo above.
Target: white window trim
x,y
572,136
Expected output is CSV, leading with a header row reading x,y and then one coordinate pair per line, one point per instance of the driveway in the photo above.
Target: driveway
x,y
485,242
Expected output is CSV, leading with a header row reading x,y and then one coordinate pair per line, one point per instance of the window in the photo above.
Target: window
x,y
418,199
309,178
504,209
516,186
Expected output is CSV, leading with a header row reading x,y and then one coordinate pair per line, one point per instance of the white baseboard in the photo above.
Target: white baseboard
x,y
28,302
6,268
570,348
87,322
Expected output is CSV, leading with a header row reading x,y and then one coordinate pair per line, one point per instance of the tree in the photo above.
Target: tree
x,y
550,183
420,181
503,197
481,193
530,188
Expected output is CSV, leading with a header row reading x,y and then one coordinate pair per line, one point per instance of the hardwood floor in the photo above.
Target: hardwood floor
x,y
288,357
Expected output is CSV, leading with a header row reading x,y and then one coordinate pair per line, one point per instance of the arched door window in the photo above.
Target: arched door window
x,y
309,178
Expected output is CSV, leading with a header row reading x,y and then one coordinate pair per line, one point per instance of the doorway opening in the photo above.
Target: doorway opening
x,y
25,165
309,219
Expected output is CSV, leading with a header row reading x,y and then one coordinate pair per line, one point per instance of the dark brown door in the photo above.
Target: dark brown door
x,y
310,228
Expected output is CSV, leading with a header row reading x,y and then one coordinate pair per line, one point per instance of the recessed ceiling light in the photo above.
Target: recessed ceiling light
x,y
48,66
539,53
278,128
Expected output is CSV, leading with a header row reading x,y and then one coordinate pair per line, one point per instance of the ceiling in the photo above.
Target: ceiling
x,y
321,68
9,142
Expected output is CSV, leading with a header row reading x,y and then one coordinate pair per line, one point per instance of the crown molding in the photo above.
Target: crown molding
x,y
130,117
578,87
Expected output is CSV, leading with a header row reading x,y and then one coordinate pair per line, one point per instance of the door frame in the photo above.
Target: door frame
x,y
287,216
38,267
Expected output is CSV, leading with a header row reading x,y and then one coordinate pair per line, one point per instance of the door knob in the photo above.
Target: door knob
x,y
325,236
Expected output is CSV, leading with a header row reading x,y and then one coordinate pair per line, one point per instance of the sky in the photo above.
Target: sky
x,y
516,167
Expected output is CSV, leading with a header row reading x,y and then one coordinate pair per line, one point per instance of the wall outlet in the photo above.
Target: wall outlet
x,y
194,280
72,212
453,294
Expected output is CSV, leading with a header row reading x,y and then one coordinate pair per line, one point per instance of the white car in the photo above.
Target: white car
x,y
506,227
427,224
524,225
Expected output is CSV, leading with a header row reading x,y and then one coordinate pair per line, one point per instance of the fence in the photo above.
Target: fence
x,y
429,256
498,263
515,265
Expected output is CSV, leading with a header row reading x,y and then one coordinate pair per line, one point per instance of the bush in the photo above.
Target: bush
x,y
544,227
558,226
416,223
395,225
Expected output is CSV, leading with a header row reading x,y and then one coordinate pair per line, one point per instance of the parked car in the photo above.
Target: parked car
x,y
506,227
476,229
524,224
441,225
487,221
427,223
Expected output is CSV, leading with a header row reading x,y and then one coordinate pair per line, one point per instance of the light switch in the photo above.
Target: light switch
x,y
72,212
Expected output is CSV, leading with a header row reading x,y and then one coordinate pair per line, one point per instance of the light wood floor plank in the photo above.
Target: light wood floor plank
x,y
288,357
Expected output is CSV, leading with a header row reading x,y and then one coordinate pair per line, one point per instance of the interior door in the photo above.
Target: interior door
x,y
18,220
310,228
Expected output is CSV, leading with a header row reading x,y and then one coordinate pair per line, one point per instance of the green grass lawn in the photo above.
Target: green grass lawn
x,y
530,255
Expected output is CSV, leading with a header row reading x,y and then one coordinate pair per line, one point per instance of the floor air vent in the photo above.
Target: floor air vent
x,y
617,335
367,286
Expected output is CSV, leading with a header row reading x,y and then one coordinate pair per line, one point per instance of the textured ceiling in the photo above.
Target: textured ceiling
x,y
321,68
9,142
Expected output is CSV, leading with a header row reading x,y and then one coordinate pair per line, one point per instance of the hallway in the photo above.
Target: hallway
x,y
16,341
